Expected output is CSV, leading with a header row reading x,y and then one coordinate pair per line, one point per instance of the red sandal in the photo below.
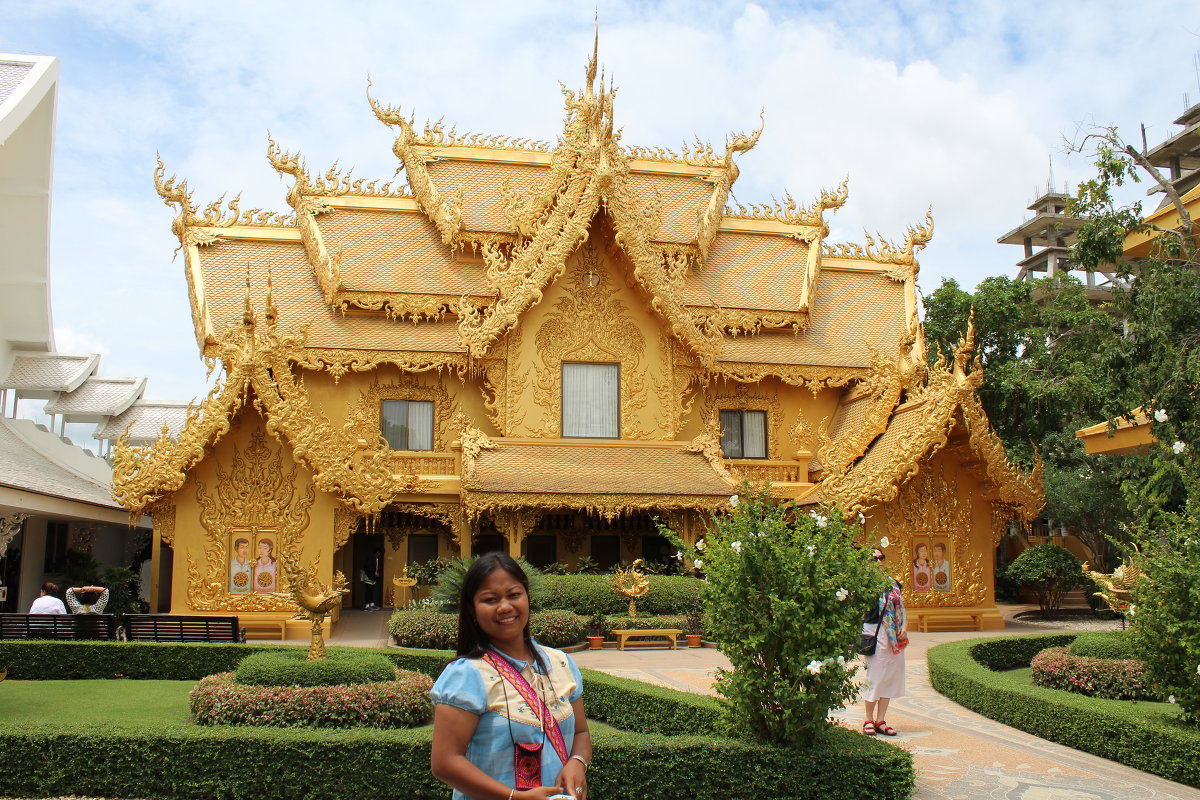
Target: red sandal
x,y
883,729
868,728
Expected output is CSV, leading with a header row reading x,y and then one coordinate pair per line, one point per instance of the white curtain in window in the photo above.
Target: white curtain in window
x,y
394,421
590,400
420,425
754,434
731,434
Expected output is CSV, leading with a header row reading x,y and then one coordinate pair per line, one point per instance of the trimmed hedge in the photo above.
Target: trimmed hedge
x,y
1146,736
227,762
58,661
1103,644
588,595
439,630
293,669
401,702
640,623
1109,678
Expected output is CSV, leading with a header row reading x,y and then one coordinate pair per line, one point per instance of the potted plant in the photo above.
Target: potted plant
x,y
597,628
693,629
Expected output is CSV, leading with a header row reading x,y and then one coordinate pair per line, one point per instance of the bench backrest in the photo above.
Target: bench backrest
x,y
174,628
58,626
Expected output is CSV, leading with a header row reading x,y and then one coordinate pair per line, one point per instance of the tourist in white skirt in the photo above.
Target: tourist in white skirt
x,y
885,669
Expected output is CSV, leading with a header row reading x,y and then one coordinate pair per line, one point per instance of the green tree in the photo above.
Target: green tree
x,y
1050,571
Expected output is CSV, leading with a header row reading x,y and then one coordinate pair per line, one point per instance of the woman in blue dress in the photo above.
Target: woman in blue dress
x,y
508,720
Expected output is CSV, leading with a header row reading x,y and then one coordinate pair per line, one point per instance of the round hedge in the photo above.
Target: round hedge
x,y
292,669
1107,678
439,631
402,702
1103,644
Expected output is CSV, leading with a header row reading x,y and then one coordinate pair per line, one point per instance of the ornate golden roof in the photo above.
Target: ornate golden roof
x,y
484,225
898,440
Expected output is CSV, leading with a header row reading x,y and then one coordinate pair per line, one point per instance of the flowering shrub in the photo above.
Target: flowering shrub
x,y
1166,626
439,631
292,669
785,597
400,703
1107,678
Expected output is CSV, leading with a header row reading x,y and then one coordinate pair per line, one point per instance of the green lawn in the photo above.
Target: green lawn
x,y
114,704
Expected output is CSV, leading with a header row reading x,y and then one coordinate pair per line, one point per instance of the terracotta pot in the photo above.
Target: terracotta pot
x,y
693,640
595,642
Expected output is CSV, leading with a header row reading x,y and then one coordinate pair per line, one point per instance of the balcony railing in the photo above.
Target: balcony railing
x,y
414,463
758,470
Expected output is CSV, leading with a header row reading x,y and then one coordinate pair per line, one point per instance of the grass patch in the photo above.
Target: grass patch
x,y
114,704
1145,735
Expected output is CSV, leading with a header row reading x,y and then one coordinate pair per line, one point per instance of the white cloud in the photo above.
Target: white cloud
x,y
920,102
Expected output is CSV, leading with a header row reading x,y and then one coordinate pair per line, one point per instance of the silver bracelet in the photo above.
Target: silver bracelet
x,y
581,761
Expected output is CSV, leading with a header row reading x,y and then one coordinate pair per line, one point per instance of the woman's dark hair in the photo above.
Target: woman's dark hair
x,y
50,588
472,641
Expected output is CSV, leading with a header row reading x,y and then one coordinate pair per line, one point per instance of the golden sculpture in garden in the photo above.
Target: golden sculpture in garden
x,y
1117,588
315,600
540,347
632,584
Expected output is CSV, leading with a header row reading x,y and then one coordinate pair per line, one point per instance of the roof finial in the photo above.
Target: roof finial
x,y
595,60
272,314
247,311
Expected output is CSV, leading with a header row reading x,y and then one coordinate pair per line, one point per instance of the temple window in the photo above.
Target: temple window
x,y
407,424
743,433
590,405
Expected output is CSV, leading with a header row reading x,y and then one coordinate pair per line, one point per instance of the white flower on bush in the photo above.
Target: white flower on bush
x,y
1179,447
700,545
861,519
699,564
884,542
1171,699
820,519
812,548
814,667
1198,669
1132,610
736,547
679,555
1161,415
842,594
841,660
733,500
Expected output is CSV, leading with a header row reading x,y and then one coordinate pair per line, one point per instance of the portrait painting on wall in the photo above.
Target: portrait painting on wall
x,y
265,574
931,563
241,562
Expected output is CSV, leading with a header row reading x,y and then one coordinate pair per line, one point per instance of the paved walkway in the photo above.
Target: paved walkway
x,y
958,754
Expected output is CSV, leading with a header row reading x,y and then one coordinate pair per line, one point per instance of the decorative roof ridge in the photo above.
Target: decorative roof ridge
x,y
949,393
191,224
884,252
258,371
722,182
882,388
789,212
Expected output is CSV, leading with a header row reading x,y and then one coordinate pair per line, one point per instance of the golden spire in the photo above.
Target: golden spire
x,y
272,313
247,311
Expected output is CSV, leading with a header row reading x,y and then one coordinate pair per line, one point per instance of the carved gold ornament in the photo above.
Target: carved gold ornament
x,y
1116,589
632,584
315,600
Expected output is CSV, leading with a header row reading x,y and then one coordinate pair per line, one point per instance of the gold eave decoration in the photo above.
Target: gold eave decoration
x,y
259,370
947,397
608,506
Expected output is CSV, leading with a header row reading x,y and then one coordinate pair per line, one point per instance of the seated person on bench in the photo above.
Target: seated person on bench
x,y
87,599
46,602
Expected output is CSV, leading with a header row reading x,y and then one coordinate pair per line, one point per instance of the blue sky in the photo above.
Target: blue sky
x,y
954,105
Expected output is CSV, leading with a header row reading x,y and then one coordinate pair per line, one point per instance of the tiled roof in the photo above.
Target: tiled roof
x,y
904,421
754,271
558,469
147,420
300,302
97,397
684,198
35,460
852,312
397,251
481,183
11,76
49,372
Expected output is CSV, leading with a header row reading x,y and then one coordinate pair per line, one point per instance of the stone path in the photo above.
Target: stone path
x,y
959,755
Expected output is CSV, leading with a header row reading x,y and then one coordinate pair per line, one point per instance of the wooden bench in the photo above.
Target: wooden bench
x,y
271,626
181,628
950,622
670,634
58,626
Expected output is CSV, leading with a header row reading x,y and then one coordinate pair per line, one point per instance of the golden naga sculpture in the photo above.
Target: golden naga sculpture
x,y
1117,589
632,584
315,600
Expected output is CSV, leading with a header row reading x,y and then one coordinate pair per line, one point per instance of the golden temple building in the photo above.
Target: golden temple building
x,y
543,347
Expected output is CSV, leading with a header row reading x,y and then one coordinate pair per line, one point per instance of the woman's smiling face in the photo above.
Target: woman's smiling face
x,y
502,607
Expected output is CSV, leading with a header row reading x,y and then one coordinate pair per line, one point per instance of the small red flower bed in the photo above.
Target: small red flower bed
x,y
1107,678
403,703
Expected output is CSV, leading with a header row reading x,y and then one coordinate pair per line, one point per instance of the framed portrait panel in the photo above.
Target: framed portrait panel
x,y
932,569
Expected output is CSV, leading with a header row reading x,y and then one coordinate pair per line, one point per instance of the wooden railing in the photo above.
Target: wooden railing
x,y
414,463
758,470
